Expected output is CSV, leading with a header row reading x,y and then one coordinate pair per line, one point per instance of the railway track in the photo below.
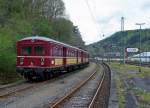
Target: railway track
x,y
101,97
91,98
19,88
8,91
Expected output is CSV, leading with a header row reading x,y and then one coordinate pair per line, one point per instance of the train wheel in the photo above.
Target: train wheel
x,y
46,76
29,78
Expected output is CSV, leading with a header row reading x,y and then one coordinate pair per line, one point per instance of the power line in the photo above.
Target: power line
x,y
92,15
90,10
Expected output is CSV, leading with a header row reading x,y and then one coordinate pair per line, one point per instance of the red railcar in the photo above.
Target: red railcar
x,y
41,57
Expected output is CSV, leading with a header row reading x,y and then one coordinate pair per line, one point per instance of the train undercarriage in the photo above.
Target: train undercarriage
x,y
40,74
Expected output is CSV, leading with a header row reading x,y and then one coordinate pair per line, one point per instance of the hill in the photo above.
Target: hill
x,y
118,40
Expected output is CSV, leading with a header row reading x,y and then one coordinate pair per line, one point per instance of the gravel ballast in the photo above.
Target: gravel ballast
x,y
83,97
44,95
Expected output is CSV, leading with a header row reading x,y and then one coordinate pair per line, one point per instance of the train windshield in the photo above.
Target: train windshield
x,y
26,50
39,50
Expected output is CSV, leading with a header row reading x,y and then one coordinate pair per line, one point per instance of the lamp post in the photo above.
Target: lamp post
x,y
140,24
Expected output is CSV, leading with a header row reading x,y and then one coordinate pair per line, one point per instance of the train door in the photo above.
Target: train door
x,y
77,56
64,55
82,57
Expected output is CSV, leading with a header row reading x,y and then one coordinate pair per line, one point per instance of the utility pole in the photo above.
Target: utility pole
x,y
103,59
140,50
122,31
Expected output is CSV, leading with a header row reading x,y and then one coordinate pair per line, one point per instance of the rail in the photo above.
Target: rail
x,y
101,97
62,100
105,78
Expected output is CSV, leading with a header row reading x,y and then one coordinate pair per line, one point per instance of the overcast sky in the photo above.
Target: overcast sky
x,y
97,17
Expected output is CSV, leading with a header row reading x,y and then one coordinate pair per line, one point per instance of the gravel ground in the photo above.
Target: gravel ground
x,y
12,84
143,83
17,86
83,97
113,100
131,101
140,82
42,96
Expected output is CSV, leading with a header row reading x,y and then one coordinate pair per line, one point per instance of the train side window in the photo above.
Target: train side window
x,y
72,53
54,51
68,53
75,54
26,50
60,52
57,51
39,50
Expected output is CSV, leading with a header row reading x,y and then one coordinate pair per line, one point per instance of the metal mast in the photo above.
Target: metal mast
x,y
122,31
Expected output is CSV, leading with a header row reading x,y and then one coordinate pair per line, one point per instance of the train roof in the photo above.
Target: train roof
x,y
49,40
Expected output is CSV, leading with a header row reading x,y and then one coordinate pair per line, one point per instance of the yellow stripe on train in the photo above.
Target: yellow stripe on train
x,y
58,61
79,60
71,61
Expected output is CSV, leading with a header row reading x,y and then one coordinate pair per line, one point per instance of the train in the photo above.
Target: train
x,y
40,57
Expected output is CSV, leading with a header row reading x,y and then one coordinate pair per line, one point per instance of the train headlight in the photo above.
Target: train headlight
x,y
52,62
42,61
21,61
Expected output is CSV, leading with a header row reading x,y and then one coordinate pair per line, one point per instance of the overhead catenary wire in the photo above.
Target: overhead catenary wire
x,y
90,11
92,14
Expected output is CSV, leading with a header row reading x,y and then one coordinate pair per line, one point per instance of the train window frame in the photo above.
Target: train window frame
x,y
72,53
23,48
42,52
57,51
68,52
54,49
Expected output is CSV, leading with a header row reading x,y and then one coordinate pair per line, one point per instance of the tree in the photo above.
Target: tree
x,y
77,38
54,9
34,8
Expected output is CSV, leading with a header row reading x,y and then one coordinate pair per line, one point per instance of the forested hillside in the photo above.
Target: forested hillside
x,y
115,42
23,18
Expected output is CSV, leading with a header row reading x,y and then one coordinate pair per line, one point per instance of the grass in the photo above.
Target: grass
x,y
124,69
10,79
123,74
143,97
120,92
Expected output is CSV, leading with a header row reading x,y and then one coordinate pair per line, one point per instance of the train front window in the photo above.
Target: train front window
x,y
39,50
26,50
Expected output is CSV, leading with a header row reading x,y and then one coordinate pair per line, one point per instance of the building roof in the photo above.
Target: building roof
x,y
143,54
